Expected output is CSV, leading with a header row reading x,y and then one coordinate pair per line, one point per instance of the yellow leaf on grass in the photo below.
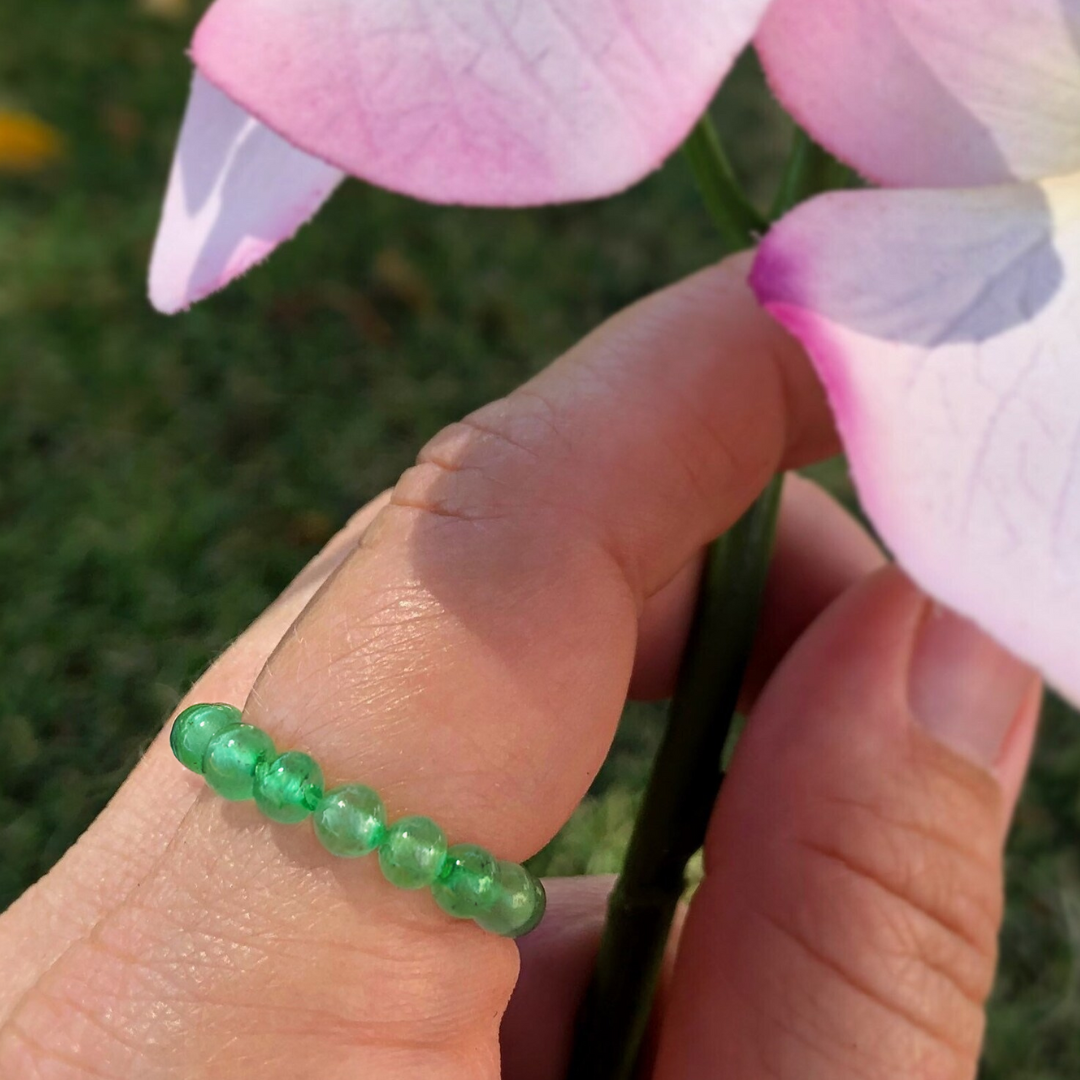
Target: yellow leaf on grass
x,y
165,9
27,143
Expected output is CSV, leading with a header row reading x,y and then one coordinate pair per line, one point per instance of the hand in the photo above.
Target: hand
x,y
465,646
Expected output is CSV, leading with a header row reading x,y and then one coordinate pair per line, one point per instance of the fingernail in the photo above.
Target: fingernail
x,y
964,688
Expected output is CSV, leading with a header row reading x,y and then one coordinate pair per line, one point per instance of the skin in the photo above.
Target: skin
x,y
465,645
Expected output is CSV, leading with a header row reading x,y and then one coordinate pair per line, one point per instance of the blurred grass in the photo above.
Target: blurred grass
x,y
163,479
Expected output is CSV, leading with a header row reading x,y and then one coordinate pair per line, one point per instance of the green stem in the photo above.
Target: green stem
x,y
686,776
679,798
810,169
738,223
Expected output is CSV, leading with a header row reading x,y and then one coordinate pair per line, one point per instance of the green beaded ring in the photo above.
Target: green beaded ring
x,y
350,821
412,853
232,759
520,902
195,727
467,885
289,788
240,762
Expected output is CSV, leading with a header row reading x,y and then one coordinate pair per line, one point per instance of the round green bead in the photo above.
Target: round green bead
x,y
193,729
289,787
519,904
232,759
350,821
412,853
467,886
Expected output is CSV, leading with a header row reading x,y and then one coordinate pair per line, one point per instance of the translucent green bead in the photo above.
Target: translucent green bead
x,y
232,759
412,853
350,821
519,905
289,787
467,885
193,729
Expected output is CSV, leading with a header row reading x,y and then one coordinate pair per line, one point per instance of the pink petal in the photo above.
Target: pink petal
x,y
933,93
496,102
236,191
945,328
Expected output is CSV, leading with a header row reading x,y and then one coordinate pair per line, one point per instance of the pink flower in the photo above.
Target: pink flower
x,y
483,102
945,321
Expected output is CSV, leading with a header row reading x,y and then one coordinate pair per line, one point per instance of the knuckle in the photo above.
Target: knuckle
x,y
479,468
511,474
925,876
902,871
435,490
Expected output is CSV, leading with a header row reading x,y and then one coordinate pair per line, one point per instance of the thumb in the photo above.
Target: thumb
x,y
848,921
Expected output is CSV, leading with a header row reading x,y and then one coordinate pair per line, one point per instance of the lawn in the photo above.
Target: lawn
x,y
164,479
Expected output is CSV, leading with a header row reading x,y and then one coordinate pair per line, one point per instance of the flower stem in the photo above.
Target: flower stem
x,y
679,798
810,169
738,222
686,776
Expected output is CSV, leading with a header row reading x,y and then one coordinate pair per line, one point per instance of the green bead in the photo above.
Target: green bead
x,y
289,787
193,729
467,885
350,821
519,905
232,759
412,853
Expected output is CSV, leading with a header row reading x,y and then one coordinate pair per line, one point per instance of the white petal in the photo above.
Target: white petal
x,y
946,328
236,191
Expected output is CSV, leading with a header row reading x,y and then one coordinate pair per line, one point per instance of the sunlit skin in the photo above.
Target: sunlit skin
x,y
465,646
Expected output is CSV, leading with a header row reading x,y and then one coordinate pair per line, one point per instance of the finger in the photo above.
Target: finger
x,y
122,845
470,661
556,964
820,551
513,562
848,920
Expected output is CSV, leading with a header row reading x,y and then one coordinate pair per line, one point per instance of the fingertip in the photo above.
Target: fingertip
x,y
849,916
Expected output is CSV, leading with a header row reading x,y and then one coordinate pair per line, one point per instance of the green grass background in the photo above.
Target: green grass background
x,y
163,479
